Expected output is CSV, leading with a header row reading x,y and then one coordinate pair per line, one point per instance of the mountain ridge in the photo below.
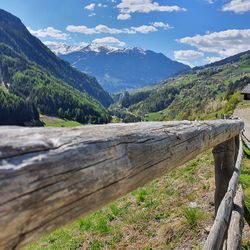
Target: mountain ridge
x,y
120,69
29,86
16,35
200,93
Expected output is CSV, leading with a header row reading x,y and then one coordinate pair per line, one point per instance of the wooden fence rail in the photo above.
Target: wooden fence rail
x,y
218,233
49,177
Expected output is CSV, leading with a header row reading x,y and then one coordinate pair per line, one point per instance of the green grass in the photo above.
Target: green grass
x,y
245,178
153,217
193,216
57,122
154,116
98,222
244,105
245,182
2,87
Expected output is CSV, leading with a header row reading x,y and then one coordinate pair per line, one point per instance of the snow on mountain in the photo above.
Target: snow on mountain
x,y
118,68
60,48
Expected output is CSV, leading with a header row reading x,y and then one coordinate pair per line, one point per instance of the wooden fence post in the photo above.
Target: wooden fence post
x,y
225,155
224,158
237,222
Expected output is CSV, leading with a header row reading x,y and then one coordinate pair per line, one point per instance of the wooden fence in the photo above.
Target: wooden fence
x,y
227,229
49,177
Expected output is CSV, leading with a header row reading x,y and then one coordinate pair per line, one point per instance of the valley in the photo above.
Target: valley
x,y
208,92
200,93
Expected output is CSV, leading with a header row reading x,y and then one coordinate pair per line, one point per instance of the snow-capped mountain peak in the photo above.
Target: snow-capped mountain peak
x,y
99,48
60,48
122,68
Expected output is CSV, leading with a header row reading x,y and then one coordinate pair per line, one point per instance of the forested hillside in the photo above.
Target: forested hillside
x,y
49,94
15,34
36,81
15,110
198,94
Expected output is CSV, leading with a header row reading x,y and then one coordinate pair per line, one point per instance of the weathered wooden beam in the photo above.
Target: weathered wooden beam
x,y
219,229
49,177
224,161
234,238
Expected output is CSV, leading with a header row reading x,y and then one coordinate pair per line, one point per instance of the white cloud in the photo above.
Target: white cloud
x,y
144,6
110,41
123,16
49,32
190,57
165,26
102,5
224,43
81,29
90,7
237,6
107,30
183,54
213,59
144,29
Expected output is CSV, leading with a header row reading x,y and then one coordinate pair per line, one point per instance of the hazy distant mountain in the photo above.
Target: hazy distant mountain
x,y
117,68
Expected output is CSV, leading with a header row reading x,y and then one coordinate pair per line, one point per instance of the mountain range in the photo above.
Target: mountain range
x,y
119,69
16,35
41,81
33,81
201,93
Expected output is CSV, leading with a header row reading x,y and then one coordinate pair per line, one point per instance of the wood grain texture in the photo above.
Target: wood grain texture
x,y
49,177
236,222
219,229
224,161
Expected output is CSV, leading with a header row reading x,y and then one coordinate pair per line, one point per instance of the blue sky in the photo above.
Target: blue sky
x,y
192,31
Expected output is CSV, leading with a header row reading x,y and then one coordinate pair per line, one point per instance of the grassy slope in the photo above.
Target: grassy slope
x,y
245,181
199,93
57,122
48,93
172,211
15,34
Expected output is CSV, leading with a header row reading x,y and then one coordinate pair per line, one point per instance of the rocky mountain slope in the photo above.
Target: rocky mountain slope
x,y
120,68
